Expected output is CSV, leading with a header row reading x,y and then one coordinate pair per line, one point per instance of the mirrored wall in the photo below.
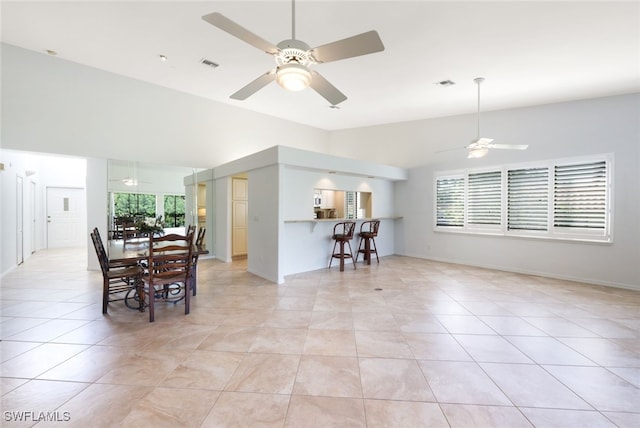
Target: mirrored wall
x,y
153,197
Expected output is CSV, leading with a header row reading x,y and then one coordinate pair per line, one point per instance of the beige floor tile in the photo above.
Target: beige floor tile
x,y
624,419
491,349
466,415
394,379
427,346
382,344
603,351
386,413
531,386
321,412
143,367
101,405
462,383
171,407
267,373
511,326
464,324
330,342
241,409
630,374
328,320
229,338
39,396
418,323
559,327
8,384
374,321
38,360
328,376
11,326
89,365
558,418
209,370
288,319
548,350
325,348
599,387
278,341
10,349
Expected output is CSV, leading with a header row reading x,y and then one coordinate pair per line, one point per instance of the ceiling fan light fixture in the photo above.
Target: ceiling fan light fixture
x,y
293,77
130,181
477,152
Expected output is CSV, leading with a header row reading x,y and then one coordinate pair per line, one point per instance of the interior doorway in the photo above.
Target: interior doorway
x,y
65,214
19,220
239,216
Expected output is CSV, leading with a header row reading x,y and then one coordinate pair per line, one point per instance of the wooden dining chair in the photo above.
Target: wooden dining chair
x,y
194,260
168,273
117,279
129,231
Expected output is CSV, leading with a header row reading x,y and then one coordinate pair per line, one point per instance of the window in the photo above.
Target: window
x,y
485,198
528,199
450,202
580,196
134,205
174,211
562,199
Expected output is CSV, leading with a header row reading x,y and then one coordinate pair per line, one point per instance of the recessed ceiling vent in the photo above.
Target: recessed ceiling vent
x,y
208,63
445,83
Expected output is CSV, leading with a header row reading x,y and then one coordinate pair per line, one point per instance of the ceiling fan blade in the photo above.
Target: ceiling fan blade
x,y
362,44
509,146
225,24
326,89
255,86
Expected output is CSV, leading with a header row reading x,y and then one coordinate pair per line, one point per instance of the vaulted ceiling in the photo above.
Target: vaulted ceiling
x,y
529,52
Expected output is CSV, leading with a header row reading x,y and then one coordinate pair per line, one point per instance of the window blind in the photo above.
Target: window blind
x,y
580,195
450,202
528,199
484,198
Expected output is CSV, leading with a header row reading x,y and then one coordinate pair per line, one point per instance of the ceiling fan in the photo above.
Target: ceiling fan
x,y
131,179
294,57
480,146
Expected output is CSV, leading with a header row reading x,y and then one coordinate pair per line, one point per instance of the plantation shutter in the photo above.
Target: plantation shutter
x,y
527,199
350,201
580,195
484,198
450,202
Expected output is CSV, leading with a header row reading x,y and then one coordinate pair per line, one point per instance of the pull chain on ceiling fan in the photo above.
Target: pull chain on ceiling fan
x,y
294,57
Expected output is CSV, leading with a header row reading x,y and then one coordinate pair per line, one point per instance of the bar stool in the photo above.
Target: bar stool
x,y
342,233
368,232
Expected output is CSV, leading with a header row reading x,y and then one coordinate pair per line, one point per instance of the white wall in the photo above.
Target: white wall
x,y
606,125
97,206
51,105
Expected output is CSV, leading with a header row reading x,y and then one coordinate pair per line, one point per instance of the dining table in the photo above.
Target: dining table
x,y
137,250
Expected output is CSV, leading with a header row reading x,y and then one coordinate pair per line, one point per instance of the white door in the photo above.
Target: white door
x,y
32,231
20,220
239,214
65,211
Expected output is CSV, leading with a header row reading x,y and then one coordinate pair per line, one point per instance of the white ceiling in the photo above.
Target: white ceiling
x,y
529,52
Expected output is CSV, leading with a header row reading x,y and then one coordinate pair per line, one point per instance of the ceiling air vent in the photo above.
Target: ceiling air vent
x,y
208,63
445,83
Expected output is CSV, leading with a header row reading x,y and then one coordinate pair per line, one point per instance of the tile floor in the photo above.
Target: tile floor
x,y
406,343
